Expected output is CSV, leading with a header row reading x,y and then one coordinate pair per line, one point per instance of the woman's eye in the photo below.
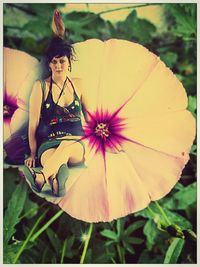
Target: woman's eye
x,y
62,61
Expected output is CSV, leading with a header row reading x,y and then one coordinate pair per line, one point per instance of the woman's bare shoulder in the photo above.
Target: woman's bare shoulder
x,y
78,84
38,85
38,81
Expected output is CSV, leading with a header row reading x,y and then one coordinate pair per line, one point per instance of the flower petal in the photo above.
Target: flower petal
x,y
17,66
126,193
6,130
158,171
161,92
19,118
105,190
113,69
171,133
86,199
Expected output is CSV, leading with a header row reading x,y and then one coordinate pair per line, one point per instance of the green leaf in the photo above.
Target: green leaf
x,y
30,209
175,218
129,248
69,243
118,227
185,25
108,243
192,104
54,240
15,207
184,198
146,257
178,186
151,232
194,150
11,250
141,29
11,178
170,58
109,234
174,250
133,240
133,227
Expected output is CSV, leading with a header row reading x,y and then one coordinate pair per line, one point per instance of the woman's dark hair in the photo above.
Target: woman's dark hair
x,y
59,48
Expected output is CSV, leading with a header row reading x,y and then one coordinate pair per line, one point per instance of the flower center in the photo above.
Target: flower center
x,y
8,110
102,130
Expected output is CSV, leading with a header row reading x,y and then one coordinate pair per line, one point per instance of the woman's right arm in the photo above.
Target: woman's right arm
x,y
34,117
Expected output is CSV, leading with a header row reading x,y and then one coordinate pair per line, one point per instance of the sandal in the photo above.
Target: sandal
x,y
30,174
61,179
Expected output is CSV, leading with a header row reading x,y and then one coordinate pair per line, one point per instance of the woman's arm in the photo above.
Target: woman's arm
x,y
34,117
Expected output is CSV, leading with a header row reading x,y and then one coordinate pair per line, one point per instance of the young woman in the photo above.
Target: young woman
x,y
56,104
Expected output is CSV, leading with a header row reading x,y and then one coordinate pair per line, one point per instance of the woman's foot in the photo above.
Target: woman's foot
x,y
35,178
58,181
54,185
39,180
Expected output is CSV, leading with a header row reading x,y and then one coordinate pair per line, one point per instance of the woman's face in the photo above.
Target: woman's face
x,y
59,65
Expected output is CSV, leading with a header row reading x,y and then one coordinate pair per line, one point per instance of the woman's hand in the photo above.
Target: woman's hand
x,y
30,161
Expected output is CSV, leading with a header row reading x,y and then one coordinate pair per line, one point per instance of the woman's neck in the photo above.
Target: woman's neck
x,y
59,79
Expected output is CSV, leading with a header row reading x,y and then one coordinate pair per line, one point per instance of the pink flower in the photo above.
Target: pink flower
x,y
20,72
103,131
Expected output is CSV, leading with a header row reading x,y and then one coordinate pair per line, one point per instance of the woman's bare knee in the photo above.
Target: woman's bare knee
x,y
65,144
46,155
76,153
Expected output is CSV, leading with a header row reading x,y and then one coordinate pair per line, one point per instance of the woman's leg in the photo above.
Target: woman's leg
x,y
52,159
47,154
65,152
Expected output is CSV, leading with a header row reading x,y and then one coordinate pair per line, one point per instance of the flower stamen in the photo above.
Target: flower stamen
x,y
102,130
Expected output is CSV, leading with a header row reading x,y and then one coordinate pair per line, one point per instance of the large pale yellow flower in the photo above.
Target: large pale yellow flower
x,y
139,133
136,103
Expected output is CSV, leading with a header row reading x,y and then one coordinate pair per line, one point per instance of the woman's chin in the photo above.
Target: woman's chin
x,y
59,73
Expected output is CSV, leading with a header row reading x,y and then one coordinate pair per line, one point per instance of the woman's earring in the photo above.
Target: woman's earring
x,y
50,69
69,68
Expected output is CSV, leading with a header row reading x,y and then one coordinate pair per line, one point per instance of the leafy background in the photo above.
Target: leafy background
x,y
36,231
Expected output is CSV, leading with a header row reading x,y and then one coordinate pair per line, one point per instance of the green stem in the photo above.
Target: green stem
x,y
86,243
123,257
91,17
57,215
163,213
128,7
27,239
153,214
119,253
113,261
63,251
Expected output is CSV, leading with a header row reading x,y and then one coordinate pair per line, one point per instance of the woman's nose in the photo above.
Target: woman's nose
x,y
58,64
